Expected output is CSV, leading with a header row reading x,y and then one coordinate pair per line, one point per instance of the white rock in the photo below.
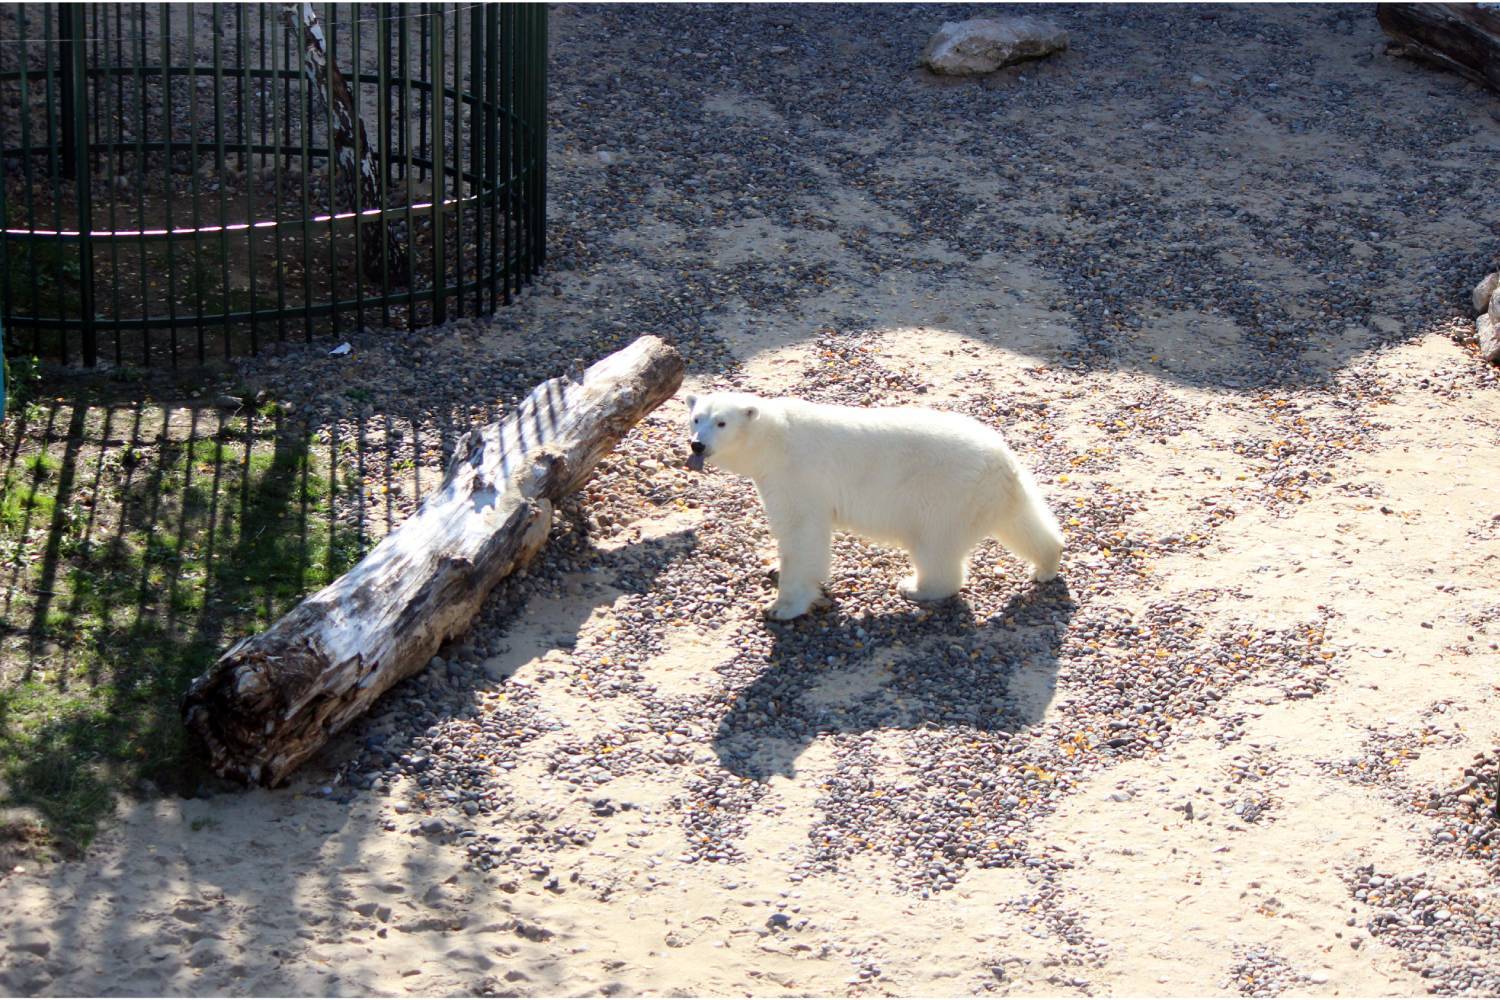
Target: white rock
x,y
1199,80
1489,339
983,45
1484,292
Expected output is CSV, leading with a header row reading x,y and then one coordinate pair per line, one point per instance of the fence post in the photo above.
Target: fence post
x,y
75,29
65,49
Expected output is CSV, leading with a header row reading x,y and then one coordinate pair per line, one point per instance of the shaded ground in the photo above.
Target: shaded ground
x,y
139,536
1233,749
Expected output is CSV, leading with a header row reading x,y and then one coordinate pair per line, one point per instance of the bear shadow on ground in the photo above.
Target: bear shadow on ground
x,y
932,667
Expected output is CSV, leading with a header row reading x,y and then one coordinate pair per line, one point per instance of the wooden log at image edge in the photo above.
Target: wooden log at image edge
x,y
273,699
1463,37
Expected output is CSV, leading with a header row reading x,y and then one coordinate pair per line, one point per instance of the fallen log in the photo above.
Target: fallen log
x,y
1463,37
273,699
351,148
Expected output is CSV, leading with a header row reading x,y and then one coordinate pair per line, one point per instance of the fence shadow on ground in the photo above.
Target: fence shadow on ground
x,y
137,539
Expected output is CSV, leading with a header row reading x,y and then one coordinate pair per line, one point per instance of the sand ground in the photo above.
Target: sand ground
x,y
1356,501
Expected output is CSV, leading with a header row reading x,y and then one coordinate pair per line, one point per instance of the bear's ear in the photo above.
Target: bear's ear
x,y
691,401
751,411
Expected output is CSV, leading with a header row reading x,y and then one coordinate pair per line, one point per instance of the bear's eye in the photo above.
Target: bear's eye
x,y
721,423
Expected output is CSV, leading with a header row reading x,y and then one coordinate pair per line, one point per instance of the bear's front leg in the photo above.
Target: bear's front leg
x,y
802,543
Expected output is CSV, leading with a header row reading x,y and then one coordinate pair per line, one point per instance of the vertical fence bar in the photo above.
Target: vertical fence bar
x,y
219,163
198,270
141,129
278,154
539,167
330,35
507,113
523,151
115,158
423,150
439,147
458,146
65,61
167,163
356,76
475,187
406,161
79,127
54,166
304,113
93,40
244,133
383,116
28,172
492,159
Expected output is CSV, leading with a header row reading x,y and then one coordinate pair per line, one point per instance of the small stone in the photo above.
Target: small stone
x,y
470,808
204,954
1200,81
1484,292
606,157
983,45
37,946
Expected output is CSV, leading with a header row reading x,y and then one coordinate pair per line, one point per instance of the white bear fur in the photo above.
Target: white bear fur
x,y
933,483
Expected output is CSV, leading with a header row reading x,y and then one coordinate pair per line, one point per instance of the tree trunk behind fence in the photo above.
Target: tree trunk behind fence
x,y
351,151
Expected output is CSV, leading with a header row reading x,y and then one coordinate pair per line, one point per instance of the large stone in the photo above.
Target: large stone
x,y
1484,292
983,45
1489,339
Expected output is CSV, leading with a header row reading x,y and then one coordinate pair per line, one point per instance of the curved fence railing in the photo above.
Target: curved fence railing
x,y
187,181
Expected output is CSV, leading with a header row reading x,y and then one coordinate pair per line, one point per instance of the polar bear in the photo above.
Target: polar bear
x,y
933,483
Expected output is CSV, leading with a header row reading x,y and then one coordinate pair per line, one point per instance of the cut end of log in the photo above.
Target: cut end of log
x,y
1462,37
272,700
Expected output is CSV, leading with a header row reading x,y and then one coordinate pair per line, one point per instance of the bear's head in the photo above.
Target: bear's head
x,y
722,428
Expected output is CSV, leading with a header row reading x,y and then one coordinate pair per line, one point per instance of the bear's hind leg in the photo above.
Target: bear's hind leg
x,y
1031,533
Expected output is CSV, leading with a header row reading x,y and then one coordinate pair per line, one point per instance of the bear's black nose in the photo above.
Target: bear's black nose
x,y
697,447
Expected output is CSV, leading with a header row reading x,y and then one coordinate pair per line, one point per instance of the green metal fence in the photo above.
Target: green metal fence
x,y
183,181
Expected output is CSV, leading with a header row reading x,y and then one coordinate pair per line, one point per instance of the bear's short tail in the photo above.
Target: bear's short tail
x,y
1030,531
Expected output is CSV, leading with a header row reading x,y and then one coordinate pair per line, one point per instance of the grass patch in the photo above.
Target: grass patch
x,y
136,542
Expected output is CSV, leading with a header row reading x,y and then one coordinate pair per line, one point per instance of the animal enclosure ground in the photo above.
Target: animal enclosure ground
x,y
1206,271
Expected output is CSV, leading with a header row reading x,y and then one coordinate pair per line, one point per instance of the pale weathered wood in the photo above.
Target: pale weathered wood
x,y
273,699
351,147
1463,37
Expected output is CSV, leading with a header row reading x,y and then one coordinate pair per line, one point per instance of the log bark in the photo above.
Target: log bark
x,y
351,148
273,699
1463,37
